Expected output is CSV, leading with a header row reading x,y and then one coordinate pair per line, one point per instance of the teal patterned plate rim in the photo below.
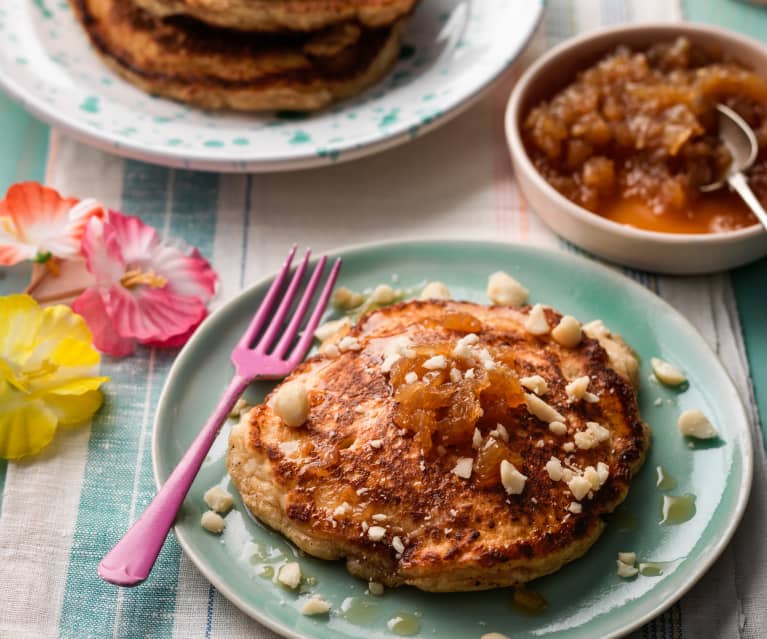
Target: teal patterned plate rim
x,y
586,598
453,51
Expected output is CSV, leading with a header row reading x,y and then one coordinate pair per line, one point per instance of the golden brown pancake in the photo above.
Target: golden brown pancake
x,y
381,450
279,15
223,69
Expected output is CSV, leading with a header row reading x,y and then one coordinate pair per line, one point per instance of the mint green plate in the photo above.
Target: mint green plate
x,y
586,598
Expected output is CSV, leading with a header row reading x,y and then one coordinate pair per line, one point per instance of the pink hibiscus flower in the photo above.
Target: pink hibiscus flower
x,y
145,291
36,223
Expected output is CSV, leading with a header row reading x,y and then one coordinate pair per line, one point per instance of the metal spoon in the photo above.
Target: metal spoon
x,y
741,142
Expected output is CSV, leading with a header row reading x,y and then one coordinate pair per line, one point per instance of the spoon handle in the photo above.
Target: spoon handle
x,y
738,182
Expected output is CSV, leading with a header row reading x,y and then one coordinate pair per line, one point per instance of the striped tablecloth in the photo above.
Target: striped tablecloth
x,y
63,510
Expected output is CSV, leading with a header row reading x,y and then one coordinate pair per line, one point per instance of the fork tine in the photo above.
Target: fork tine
x,y
308,335
282,310
266,304
292,329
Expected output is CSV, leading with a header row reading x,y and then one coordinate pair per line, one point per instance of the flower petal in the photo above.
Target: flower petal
x,y
42,218
101,249
177,341
12,249
76,386
74,409
64,338
137,241
152,314
25,427
20,319
190,274
91,306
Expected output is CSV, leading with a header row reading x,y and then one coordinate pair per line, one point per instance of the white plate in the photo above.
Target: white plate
x,y
453,50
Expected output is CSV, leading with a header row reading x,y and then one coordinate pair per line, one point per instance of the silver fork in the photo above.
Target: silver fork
x,y
131,560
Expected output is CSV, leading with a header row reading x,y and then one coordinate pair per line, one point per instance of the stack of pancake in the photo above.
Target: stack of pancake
x,y
248,55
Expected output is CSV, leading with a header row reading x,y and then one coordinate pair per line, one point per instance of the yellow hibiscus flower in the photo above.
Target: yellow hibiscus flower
x,y
47,366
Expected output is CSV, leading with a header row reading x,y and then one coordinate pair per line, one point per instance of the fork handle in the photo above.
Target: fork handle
x,y
131,560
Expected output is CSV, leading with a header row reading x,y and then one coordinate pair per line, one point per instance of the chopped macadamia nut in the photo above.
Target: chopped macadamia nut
x,y
568,332
622,359
513,481
218,499
376,533
463,467
376,443
594,435
382,294
558,428
438,362
330,350
455,375
536,322
315,605
579,486
240,406
575,507
578,390
435,291
534,383
554,469
591,476
397,544
693,423
463,349
540,409
375,588
411,378
328,329
666,373
476,439
484,357
568,447
292,404
504,290
345,299
629,558
212,522
625,571
500,432
380,517
349,343
289,575
342,510
603,471
396,348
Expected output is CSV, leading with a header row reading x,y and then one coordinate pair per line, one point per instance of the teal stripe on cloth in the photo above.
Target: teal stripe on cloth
x,y
180,204
750,283
24,141
151,607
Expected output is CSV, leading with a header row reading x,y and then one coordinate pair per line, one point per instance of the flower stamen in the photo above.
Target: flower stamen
x,y
136,277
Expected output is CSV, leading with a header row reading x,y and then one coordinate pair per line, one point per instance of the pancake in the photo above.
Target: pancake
x,y
278,15
380,450
223,69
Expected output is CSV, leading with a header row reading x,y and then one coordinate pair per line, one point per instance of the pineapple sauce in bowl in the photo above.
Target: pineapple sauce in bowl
x,y
613,133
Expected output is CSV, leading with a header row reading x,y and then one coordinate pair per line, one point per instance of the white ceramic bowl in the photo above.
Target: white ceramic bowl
x,y
649,250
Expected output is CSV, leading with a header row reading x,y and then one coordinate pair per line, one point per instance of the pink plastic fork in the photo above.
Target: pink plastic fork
x,y
131,560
